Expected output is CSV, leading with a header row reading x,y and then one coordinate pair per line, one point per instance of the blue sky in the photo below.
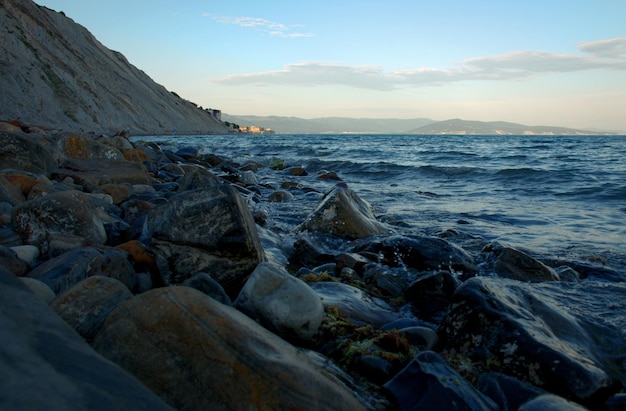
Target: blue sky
x,y
533,62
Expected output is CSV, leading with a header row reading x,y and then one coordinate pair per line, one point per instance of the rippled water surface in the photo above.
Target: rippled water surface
x,y
553,194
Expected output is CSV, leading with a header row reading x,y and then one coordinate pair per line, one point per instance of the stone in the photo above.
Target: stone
x,y
524,329
39,288
27,253
24,181
281,302
205,283
517,265
354,304
76,146
280,196
10,261
342,213
209,230
20,151
67,212
53,368
87,304
213,357
9,193
431,294
508,392
424,253
95,172
63,272
197,178
429,383
550,402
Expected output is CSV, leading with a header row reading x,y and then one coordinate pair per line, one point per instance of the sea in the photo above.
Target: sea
x,y
555,197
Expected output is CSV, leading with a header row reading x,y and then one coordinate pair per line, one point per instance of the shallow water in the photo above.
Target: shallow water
x,y
560,196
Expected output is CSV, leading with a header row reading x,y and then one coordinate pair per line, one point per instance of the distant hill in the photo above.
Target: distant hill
x,y
53,72
328,125
344,125
457,126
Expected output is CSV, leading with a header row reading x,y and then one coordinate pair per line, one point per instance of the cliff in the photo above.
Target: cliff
x,y
54,72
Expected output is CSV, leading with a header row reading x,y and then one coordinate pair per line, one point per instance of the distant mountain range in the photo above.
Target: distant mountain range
x,y
345,125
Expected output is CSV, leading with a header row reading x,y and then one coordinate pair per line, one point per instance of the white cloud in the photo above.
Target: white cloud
x,y
602,54
271,27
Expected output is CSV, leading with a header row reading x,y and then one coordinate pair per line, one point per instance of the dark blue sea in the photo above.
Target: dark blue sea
x,y
561,197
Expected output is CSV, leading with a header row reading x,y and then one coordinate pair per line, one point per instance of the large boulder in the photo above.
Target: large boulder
x,y
198,354
47,366
25,152
342,213
208,231
66,212
87,305
509,262
73,145
281,302
567,339
95,172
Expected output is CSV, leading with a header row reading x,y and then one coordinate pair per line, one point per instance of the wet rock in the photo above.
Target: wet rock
x,y
281,302
423,337
87,304
298,171
280,196
210,231
25,152
187,152
63,272
549,402
551,335
197,178
51,367
67,212
240,364
431,294
354,304
517,265
342,213
423,253
429,383
205,283
308,253
508,392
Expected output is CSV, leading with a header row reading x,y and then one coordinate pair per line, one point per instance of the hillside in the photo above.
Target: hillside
x,y
328,125
54,72
457,126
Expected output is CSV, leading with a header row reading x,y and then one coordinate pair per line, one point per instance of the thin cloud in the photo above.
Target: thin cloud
x,y
271,27
517,65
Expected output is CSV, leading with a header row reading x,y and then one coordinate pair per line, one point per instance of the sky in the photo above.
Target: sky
x,y
547,62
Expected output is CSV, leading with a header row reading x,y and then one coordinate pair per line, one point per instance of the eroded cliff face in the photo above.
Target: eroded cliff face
x,y
54,72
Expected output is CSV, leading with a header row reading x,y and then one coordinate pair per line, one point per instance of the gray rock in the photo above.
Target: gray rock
x,y
199,354
525,329
354,304
39,288
47,366
342,213
429,383
27,253
197,178
10,261
208,230
549,402
205,283
281,302
68,212
24,152
87,305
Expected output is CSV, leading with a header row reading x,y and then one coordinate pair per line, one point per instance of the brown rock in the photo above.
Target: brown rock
x,y
198,354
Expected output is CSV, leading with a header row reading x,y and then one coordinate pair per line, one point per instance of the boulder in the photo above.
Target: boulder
x,y
550,402
424,253
205,283
87,305
63,272
281,302
431,294
342,213
508,392
67,212
429,383
517,265
210,231
552,335
10,261
199,354
47,366
73,145
198,178
25,152
40,289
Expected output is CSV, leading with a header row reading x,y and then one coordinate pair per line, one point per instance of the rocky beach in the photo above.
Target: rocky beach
x,y
139,275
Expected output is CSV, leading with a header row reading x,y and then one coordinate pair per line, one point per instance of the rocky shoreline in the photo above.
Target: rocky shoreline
x,y
145,276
